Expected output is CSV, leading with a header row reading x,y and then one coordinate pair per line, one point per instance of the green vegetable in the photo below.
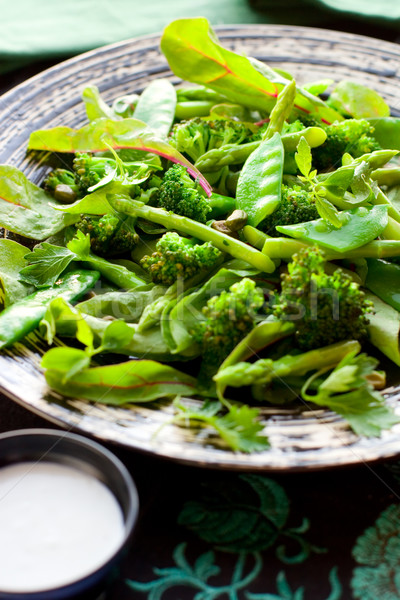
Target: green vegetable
x,y
179,258
239,428
61,184
386,131
264,370
348,392
179,194
383,279
324,308
223,242
47,262
156,106
123,383
354,136
192,50
259,185
12,260
384,328
358,101
24,316
228,318
284,248
109,235
197,136
92,172
296,206
237,154
358,227
95,106
102,134
25,208
281,111
325,208
264,334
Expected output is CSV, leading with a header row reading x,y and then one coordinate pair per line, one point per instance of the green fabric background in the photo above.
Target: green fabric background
x,y
46,28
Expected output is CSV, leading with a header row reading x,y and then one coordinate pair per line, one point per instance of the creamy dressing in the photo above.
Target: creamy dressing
x,y
57,524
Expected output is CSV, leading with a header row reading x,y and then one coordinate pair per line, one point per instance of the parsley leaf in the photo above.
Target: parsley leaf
x,y
46,263
348,392
239,427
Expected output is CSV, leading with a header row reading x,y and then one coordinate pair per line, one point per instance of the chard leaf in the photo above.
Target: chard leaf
x,y
239,428
358,101
193,52
68,361
116,335
25,208
46,263
61,311
95,106
102,134
124,383
12,261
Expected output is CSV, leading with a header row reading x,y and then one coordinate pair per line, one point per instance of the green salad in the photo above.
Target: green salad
x,y
233,239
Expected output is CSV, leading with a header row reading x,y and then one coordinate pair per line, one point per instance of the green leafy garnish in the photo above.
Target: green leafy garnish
x,y
348,392
238,427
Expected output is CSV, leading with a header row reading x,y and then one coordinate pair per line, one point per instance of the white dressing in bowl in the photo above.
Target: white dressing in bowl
x,y
58,524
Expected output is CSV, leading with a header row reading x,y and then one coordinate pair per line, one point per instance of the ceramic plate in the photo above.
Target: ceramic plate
x,y
299,439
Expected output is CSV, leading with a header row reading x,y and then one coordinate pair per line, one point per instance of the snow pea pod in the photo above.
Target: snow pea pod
x,y
259,186
24,316
360,226
156,106
383,279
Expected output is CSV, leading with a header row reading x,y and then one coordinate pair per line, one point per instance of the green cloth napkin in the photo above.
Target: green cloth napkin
x,y
46,29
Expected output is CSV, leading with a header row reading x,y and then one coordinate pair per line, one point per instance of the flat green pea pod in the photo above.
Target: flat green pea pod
x,y
360,226
24,316
156,106
383,279
237,154
259,186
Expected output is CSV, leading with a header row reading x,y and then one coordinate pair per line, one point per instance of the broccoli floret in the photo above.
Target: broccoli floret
x,y
197,136
296,206
90,169
228,319
61,184
180,194
325,309
109,235
351,135
179,258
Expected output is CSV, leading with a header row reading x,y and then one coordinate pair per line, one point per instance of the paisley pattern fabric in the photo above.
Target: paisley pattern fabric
x,y
328,536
